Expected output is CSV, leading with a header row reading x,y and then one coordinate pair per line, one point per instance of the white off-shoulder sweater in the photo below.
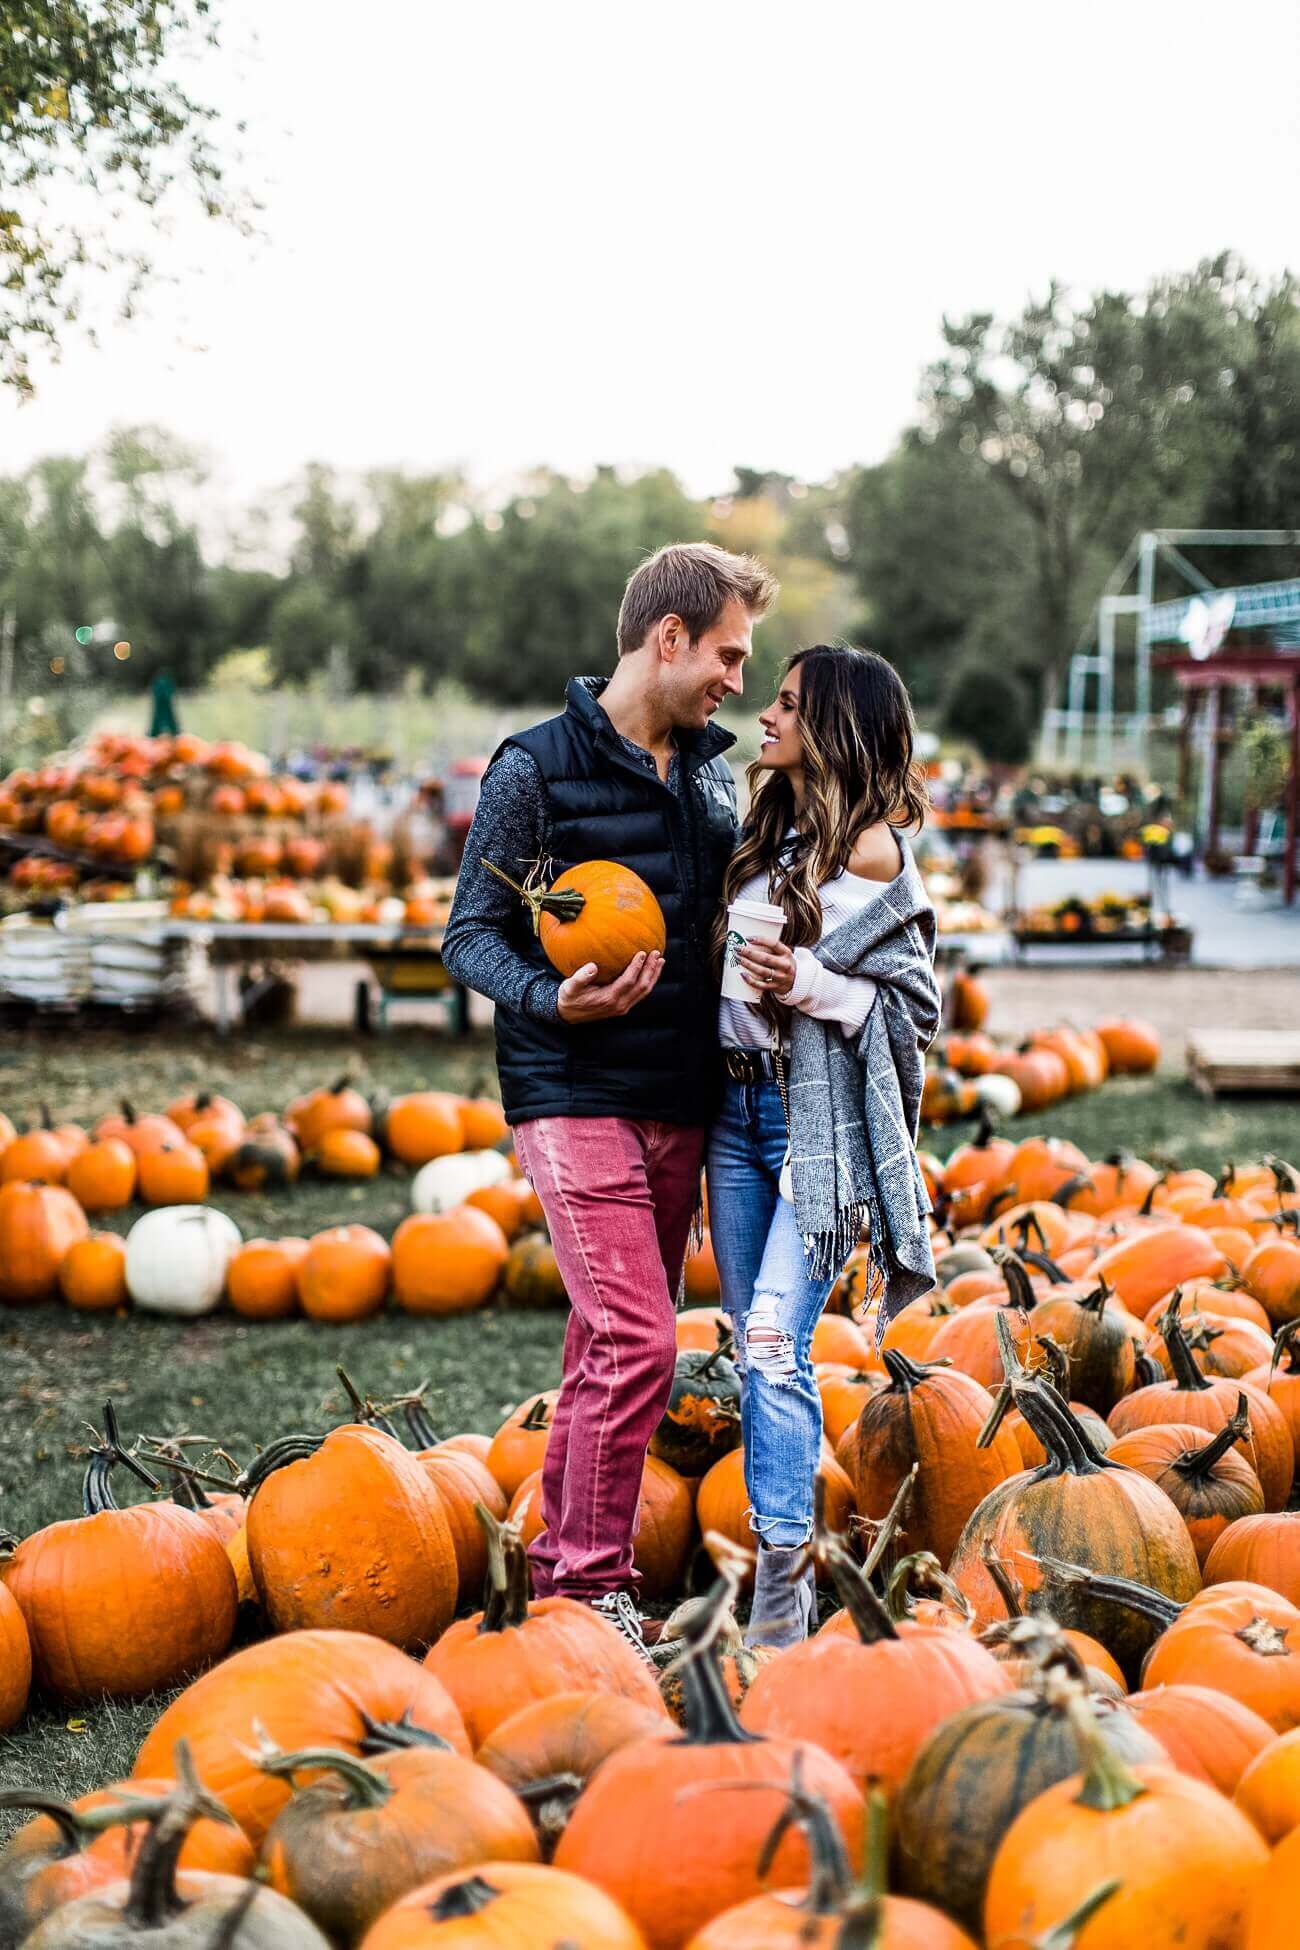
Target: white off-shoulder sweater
x,y
817,991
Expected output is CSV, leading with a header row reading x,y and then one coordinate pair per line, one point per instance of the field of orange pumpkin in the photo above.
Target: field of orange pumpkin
x,y
1059,1595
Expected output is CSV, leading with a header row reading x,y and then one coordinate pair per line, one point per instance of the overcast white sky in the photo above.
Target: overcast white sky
x,y
506,234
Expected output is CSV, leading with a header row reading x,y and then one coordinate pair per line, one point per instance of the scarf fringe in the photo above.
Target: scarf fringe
x,y
827,1252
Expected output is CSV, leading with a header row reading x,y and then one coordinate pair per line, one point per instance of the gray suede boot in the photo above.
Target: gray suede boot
x,y
784,1597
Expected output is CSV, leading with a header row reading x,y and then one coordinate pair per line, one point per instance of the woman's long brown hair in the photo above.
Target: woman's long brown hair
x,y
859,766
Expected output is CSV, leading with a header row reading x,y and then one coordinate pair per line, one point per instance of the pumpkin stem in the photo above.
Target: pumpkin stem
x,y
1081,1182
1107,1783
388,1736
566,905
364,1410
830,1876
1116,1591
507,1590
1147,1207
1012,1268
276,1455
1005,1582
1066,1933
1056,1365
1005,1195
1044,1263
363,1787
1187,1375
708,1714
550,1802
1223,1180
72,1829
538,1416
230,1929
921,1575
96,1489
1285,1176
1197,1464
154,1898
888,1526
1146,1369
902,1370
1069,1447
467,1898
1284,1344
871,1621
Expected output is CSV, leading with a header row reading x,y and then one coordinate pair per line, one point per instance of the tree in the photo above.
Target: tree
x,y
936,552
1090,422
987,707
93,128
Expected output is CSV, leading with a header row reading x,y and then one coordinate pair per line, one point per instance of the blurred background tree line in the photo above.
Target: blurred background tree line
x,y
970,556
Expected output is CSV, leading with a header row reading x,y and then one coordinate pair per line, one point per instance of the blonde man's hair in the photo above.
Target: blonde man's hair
x,y
693,580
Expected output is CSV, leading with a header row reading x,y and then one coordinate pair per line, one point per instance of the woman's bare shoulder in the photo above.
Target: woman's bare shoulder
x,y
875,854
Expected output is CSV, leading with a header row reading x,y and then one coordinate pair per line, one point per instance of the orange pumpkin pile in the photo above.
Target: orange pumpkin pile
x,y
1056,1652
968,1069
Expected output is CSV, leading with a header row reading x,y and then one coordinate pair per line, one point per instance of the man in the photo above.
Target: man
x,y
609,1087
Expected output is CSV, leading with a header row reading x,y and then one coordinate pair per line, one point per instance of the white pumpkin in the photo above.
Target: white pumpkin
x,y
445,1182
999,1094
176,1259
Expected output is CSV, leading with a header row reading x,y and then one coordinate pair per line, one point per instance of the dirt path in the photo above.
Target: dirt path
x,y
1176,1000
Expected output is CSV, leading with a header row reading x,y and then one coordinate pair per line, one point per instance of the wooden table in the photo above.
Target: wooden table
x,y
1220,1061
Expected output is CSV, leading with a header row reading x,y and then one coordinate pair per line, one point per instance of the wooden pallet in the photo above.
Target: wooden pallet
x,y
1223,1060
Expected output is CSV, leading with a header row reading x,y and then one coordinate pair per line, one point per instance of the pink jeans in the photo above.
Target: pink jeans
x,y
618,1197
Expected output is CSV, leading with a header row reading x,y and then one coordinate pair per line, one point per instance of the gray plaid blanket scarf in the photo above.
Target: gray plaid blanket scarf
x,y
855,1107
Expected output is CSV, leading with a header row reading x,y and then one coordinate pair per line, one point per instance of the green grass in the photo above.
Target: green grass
x,y
243,1384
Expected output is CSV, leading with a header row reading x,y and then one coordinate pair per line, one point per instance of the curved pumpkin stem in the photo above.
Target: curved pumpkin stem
x,y
469,1897
96,1489
1116,1591
1197,1464
363,1787
921,1575
1012,1268
1005,1582
1044,1263
73,1831
1147,1206
276,1455
1147,1371
1285,1176
566,905
1284,1347
389,1736
154,1898
1056,1365
830,1877
1081,1182
1066,1933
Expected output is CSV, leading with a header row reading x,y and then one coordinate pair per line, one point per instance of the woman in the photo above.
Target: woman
x,y
816,1136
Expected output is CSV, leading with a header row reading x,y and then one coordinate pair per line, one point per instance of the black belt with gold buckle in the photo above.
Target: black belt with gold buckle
x,y
749,1065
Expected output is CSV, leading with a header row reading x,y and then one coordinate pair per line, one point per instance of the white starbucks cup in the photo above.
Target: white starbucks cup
x,y
747,921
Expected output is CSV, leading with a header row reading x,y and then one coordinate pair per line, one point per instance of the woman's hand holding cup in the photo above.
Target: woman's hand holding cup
x,y
769,965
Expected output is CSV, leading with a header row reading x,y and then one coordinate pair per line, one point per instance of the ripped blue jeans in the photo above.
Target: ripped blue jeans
x,y
773,1307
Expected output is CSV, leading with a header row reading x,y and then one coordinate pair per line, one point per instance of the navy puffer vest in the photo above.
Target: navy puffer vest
x,y
661,1060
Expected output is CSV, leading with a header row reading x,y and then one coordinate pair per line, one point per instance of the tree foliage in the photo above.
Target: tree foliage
x,y
977,547
94,127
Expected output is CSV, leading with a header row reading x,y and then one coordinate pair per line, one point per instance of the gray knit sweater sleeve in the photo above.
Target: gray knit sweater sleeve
x,y
510,830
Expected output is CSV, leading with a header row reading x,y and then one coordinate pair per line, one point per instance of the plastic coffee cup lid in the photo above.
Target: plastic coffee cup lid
x,y
756,911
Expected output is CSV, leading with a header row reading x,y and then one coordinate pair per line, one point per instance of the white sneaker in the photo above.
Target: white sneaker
x,y
621,1612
